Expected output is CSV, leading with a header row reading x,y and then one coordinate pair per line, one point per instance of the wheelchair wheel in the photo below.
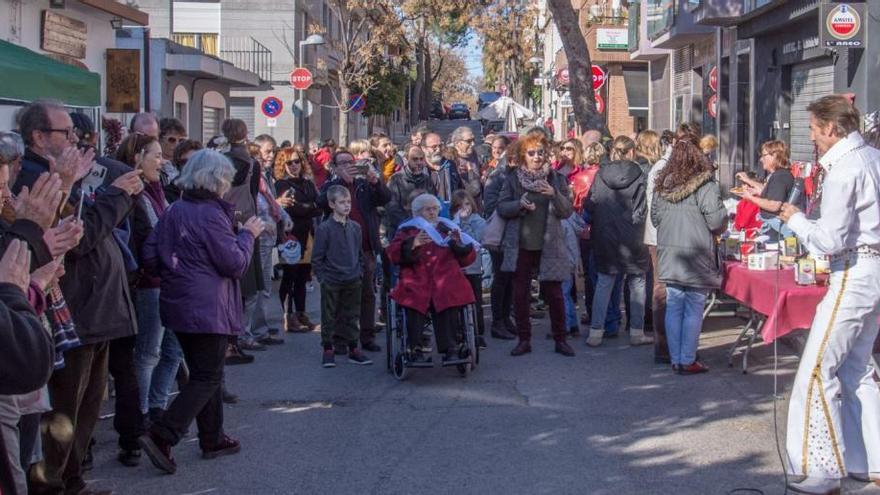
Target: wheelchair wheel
x,y
464,353
390,330
399,369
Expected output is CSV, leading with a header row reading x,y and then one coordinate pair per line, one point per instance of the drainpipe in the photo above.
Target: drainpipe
x,y
146,69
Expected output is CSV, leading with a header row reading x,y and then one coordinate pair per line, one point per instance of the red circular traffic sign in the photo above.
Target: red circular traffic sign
x,y
301,78
599,77
713,79
600,103
712,106
271,107
562,77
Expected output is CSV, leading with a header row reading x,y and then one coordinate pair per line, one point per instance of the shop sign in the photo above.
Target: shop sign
x,y
63,35
612,39
123,80
842,25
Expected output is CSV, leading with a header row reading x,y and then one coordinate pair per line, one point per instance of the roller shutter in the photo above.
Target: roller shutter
x,y
809,82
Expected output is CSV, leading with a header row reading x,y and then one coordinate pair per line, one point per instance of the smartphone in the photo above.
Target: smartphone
x,y
79,210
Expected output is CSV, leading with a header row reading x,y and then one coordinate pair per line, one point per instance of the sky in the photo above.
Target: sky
x,y
473,56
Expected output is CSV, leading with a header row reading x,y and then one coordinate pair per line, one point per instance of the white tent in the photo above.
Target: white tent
x,y
498,110
510,120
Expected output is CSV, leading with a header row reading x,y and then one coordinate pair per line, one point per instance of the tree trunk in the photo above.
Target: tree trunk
x,y
579,66
344,97
418,86
428,88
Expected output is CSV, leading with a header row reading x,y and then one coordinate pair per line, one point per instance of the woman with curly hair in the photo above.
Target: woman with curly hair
x,y
688,214
297,195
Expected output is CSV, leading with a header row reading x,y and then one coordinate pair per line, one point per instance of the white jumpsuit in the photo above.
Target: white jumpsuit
x,y
834,412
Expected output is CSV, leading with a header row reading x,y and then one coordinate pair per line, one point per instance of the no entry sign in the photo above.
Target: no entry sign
x,y
301,78
271,107
599,77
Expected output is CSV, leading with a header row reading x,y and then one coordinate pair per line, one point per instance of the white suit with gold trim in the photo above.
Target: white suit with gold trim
x,y
834,412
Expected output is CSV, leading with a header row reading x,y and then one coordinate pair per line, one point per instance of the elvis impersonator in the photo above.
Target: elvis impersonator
x,y
834,412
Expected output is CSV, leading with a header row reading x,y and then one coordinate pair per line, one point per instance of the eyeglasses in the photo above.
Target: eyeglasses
x,y
538,152
568,148
69,132
173,139
296,161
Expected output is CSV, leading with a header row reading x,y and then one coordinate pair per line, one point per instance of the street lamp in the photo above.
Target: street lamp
x,y
536,60
311,40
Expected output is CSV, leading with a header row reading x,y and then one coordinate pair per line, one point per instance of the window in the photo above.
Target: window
x,y
206,42
180,112
660,17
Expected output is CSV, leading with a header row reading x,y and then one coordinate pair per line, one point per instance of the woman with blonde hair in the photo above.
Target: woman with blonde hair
x,y
297,194
617,209
648,150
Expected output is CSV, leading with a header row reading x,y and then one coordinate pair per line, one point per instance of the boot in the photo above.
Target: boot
x,y
499,331
291,324
638,337
595,338
816,486
304,321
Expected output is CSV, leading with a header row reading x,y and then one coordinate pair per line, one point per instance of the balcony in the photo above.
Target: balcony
x,y
670,23
248,54
730,12
605,14
244,53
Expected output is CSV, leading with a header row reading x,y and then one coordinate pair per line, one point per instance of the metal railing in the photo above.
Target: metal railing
x,y
603,12
248,54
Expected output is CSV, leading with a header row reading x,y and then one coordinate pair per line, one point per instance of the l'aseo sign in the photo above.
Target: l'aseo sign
x,y
843,25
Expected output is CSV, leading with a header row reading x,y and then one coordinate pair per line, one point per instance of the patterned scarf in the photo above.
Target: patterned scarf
x,y
61,323
530,178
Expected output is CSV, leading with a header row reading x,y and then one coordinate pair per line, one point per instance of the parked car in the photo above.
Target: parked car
x,y
459,111
437,110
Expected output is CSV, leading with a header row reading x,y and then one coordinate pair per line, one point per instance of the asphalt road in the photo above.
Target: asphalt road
x,y
608,421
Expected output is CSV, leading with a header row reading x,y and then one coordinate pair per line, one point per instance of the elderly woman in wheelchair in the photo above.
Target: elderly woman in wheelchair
x,y
430,252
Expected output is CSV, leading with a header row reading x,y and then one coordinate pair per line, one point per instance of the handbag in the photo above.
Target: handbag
x,y
290,251
494,231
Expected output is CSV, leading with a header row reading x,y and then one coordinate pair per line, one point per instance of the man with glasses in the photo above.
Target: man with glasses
x,y
469,165
447,172
95,287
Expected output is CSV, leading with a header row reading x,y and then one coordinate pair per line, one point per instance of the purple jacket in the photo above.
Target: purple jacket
x,y
199,258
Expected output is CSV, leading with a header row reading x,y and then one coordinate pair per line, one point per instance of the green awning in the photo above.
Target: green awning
x,y
28,76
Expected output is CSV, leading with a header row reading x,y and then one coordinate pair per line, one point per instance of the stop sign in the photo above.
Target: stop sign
x,y
599,77
301,78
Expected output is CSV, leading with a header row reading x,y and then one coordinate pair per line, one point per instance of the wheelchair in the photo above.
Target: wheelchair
x,y
400,361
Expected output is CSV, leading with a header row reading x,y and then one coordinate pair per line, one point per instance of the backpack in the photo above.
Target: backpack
x,y
241,196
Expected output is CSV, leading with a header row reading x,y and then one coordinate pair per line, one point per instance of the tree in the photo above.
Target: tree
x,y
390,89
450,78
579,66
507,28
367,29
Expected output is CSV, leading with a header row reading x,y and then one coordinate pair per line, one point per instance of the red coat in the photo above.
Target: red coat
x,y
580,183
436,278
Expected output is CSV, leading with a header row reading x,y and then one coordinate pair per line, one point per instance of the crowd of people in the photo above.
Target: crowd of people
x,y
156,265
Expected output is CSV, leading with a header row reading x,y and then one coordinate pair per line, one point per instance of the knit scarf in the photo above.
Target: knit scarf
x,y
418,179
530,178
422,224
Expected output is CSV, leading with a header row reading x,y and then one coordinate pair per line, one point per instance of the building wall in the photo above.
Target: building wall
x,y
659,76
616,103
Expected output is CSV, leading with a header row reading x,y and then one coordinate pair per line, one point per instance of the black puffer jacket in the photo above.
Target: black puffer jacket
x,y
402,184
618,209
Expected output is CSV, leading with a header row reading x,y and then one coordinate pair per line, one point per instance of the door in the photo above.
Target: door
x,y
809,82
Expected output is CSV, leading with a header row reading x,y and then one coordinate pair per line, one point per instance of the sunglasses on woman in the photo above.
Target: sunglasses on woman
x,y
295,161
538,152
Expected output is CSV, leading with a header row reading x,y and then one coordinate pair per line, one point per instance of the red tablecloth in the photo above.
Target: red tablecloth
x,y
794,307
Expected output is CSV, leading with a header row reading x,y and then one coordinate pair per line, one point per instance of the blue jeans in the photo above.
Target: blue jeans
x,y
684,319
259,322
775,228
157,353
613,316
606,286
571,320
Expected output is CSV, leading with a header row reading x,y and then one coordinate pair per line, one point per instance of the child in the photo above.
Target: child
x,y
572,227
337,261
464,213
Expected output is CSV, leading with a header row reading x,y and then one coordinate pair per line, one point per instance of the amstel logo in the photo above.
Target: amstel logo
x,y
843,22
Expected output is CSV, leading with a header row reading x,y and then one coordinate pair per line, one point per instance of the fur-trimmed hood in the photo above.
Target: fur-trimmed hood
x,y
679,193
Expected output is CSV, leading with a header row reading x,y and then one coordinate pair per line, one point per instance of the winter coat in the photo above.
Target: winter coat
x,y
580,182
200,259
368,197
26,349
572,228
430,275
252,281
650,237
555,264
305,208
617,208
688,218
473,225
402,184
493,188
95,284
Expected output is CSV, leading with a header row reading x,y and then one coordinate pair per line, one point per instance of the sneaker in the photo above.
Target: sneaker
x,y
595,338
129,457
159,452
234,355
270,340
692,369
356,356
251,346
226,446
638,337
370,346
328,360
304,321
